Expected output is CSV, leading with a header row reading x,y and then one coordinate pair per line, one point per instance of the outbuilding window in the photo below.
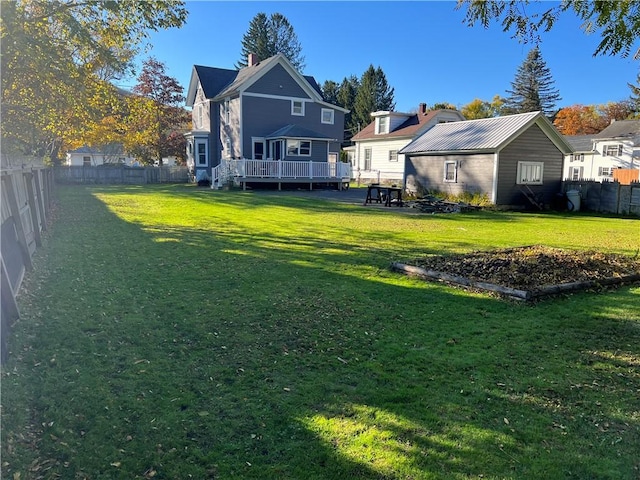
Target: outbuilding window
x,y
530,173
450,171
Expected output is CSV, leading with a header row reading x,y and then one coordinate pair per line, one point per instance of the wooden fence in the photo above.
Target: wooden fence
x,y
607,197
121,175
26,206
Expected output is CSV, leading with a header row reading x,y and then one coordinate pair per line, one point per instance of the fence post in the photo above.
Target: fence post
x,y
9,310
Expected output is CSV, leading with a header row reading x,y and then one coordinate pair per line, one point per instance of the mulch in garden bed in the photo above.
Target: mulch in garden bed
x,y
527,273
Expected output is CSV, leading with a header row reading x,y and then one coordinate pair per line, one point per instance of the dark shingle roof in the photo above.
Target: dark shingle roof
x,y
620,128
580,143
410,127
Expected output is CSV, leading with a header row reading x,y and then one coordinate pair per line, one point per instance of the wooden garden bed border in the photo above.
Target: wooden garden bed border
x,y
527,295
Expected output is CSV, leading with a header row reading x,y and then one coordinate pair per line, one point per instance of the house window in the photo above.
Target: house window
x,y
393,155
575,173
227,110
201,149
451,172
299,148
530,173
367,159
578,157
297,108
383,125
605,171
327,116
258,149
612,150
86,161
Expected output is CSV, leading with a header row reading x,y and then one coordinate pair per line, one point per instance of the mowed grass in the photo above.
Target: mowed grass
x,y
172,332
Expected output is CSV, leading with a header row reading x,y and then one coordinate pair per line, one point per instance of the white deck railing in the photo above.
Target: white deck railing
x,y
279,170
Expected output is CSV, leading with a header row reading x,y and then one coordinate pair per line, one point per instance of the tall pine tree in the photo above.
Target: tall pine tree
x,y
268,36
532,89
634,98
374,94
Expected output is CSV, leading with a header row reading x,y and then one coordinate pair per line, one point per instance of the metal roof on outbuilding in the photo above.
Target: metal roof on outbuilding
x,y
483,135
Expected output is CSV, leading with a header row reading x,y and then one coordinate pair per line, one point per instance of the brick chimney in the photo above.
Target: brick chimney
x,y
252,60
422,108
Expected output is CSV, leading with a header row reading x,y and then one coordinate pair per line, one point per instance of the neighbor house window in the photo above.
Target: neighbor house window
x,y
86,161
578,157
327,116
297,108
451,171
227,110
299,148
575,173
605,171
393,155
383,125
530,173
612,151
367,159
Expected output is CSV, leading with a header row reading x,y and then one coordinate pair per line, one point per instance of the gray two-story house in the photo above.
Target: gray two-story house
x,y
265,112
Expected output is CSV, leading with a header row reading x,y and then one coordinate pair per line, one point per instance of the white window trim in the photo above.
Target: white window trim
x,y
379,126
617,146
261,140
293,109
391,155
227,110
298,148
526,181
197,153
332,115
455,171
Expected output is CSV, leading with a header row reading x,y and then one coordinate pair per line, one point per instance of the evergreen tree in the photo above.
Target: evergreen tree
x,y
532,89
268,36
634,98
330,92
374,94
346,98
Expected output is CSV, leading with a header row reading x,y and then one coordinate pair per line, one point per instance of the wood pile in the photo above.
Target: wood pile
x,y
437,205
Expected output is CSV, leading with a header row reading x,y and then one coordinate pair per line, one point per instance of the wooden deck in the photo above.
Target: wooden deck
x,y
243,171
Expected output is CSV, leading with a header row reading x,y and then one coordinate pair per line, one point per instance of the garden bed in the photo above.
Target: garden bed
x,y
527,273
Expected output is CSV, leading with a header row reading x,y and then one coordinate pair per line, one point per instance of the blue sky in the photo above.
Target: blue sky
x,y
425,49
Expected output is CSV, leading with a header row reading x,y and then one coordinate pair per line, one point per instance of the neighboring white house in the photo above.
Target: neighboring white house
x,y
89,156
597,156
376,154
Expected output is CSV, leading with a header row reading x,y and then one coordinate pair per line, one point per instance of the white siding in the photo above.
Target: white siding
x,y
594,163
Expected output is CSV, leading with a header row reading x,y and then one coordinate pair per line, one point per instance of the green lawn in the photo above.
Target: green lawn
x,y
172,332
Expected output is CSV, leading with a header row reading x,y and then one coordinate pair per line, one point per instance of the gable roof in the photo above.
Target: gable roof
x,y
580,143
218,83
620,128
409,128
483,135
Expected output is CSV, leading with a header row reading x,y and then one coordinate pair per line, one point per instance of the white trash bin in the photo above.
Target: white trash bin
x,y
573,200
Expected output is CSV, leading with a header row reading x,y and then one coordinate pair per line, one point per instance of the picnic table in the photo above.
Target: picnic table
x,y
383,194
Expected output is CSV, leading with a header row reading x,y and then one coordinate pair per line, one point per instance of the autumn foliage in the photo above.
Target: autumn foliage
x,y
590,119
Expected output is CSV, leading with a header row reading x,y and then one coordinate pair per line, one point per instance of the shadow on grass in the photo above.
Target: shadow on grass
x,y
233,349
